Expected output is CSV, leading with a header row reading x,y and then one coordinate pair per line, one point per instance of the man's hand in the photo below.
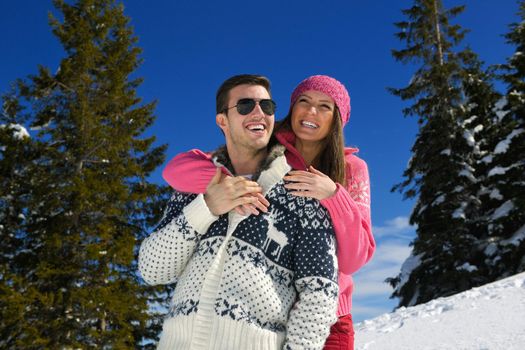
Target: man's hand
x,y
225,193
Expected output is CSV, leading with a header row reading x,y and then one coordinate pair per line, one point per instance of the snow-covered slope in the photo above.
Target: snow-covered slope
x,y
490,317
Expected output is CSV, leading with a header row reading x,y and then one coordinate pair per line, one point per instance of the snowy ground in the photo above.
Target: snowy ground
x,y
490,317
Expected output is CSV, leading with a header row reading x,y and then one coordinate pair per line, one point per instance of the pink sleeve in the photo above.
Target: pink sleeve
x,y
190,171
350,213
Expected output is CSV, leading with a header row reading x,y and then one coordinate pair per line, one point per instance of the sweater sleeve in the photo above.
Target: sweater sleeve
x,y
190,171
315,279
164,254
350,212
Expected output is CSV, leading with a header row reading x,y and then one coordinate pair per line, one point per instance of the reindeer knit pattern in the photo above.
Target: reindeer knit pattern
x,y
245,282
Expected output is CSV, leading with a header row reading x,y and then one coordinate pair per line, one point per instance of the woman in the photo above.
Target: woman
x,y
324,169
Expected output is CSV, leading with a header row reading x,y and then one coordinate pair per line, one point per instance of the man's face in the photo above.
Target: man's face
x,y
249,132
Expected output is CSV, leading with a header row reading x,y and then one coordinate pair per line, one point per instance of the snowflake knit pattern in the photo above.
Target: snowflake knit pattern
x,y
246,282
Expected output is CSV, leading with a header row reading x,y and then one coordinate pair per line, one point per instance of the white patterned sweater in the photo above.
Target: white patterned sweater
x,y
252,282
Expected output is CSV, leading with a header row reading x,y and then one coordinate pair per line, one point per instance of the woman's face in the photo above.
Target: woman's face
x,y
312,116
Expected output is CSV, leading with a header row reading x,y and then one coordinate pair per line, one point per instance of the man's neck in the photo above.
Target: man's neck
x,y
246,162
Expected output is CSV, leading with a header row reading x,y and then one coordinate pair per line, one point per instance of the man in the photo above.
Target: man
x,y
264,281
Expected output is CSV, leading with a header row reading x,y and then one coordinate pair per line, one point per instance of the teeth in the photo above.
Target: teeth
x,y
256,127
309,124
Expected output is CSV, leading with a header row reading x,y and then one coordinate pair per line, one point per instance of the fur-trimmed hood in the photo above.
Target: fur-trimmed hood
x,y
220,157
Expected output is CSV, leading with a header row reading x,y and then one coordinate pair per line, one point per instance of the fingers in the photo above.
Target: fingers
x,y
251,205
243,189
260,205
251,209
239,186
240,210
217,177
245,202
300,178
305,194
298,186
315,171
246,209
227,193
299,172
262,199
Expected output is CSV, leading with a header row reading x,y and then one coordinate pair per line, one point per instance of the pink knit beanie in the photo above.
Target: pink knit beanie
x,y
329,86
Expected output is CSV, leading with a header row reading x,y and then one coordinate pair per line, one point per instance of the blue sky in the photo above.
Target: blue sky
x,y
190,47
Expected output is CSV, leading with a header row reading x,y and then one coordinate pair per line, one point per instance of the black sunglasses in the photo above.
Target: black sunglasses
x,y
246,105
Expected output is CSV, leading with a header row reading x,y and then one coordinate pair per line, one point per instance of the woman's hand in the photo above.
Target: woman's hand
x,y
312,183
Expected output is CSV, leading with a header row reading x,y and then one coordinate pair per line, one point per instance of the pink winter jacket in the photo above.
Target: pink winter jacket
x,y
349,208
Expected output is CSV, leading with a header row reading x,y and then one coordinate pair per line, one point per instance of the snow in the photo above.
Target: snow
x,y
410,264
467,267
459,213
491,249
498,108
469,137
471,119
19,131
445,152
467,171
487,159
503,145
503,210
516,238
495,194
499,170
478,128
439,200
516,94
40,127
487,317
458,189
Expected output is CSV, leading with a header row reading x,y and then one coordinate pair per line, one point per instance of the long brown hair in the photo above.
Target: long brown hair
x,y
331,158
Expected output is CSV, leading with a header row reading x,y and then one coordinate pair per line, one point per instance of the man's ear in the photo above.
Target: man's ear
x,y
221,121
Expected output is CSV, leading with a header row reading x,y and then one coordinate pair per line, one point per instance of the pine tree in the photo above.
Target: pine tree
x,y
480,128
505,166
17,151
441,174
88,199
